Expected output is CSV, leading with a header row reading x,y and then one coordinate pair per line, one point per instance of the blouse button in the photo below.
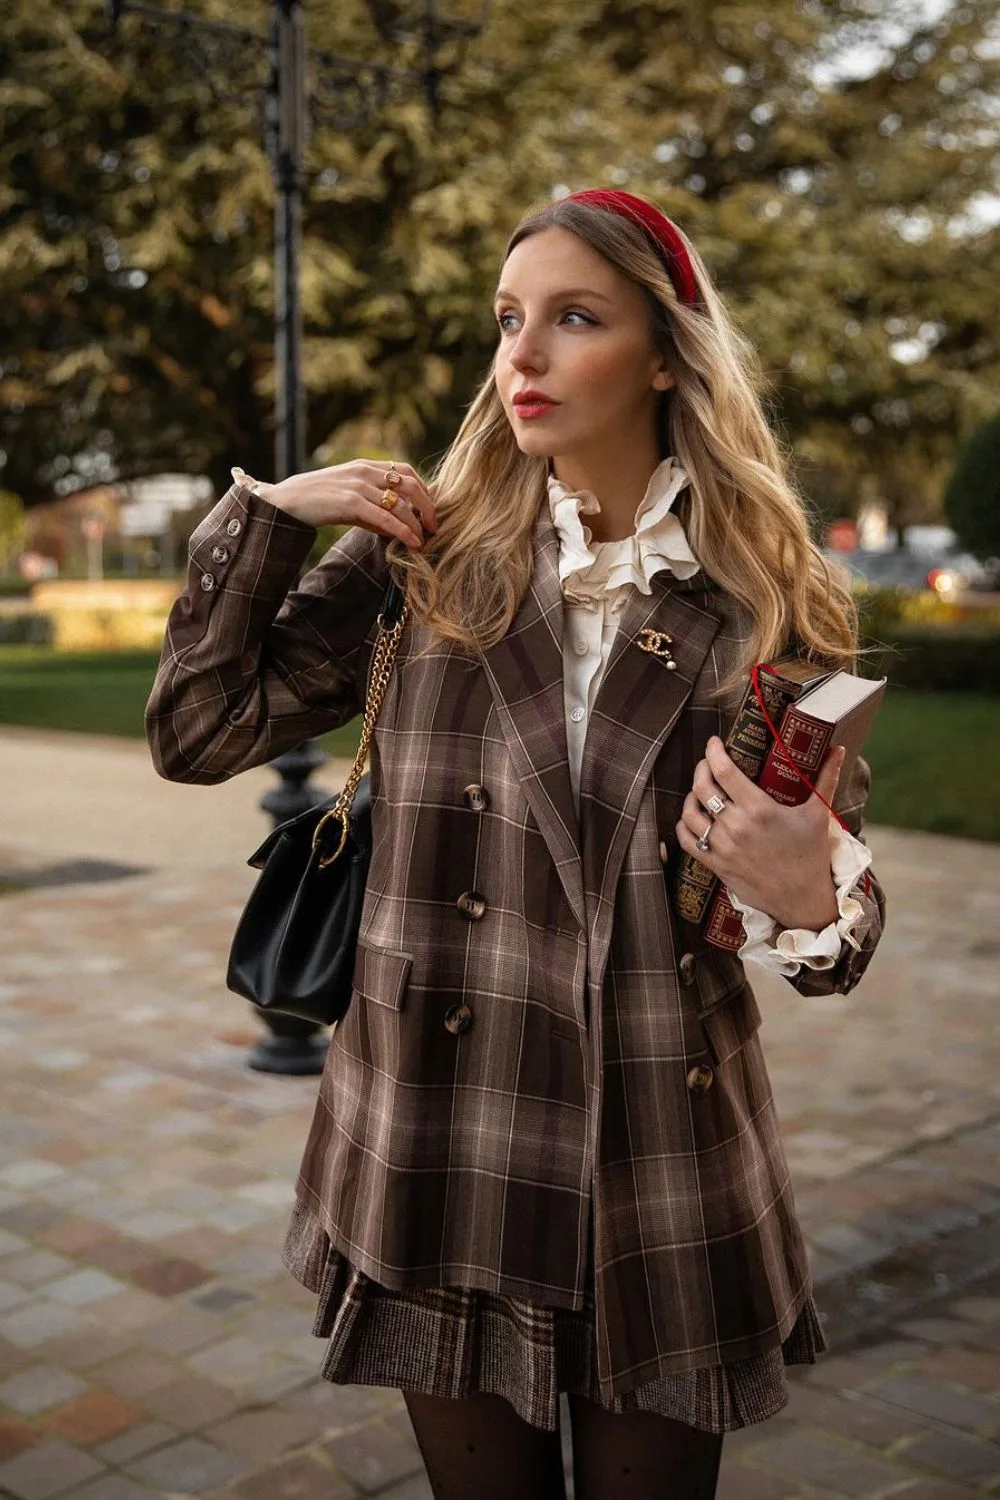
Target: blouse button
x,y
700,1079
471,905
207,582
580,646
458,1018
577,714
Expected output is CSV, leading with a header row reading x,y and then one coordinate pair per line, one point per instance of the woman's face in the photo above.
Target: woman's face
x,y
574,333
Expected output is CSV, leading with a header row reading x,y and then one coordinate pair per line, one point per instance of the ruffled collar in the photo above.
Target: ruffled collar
x,y
589,570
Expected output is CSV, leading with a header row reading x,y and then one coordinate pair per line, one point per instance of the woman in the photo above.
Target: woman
x,y
545,1155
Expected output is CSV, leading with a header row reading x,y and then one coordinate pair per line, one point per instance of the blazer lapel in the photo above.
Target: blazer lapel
x,y
637,706
525,672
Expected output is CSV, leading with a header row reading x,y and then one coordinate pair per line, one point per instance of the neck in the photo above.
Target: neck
x,y
619,480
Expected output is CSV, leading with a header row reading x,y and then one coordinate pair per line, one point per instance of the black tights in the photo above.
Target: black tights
x,y
478,1448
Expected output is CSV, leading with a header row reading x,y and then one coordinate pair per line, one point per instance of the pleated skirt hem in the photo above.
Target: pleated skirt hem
x,y
456,1341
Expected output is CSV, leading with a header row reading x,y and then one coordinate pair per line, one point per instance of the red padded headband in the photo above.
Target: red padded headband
x,y
669,240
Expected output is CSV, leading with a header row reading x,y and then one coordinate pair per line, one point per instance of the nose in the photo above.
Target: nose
x,y
527,352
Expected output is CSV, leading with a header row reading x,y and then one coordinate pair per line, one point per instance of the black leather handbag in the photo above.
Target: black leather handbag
x,y
294,946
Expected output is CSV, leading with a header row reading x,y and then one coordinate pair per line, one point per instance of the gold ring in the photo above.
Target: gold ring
x,y
389,499
393,478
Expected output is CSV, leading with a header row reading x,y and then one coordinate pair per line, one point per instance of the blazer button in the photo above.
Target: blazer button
x,y
700,1079
664,852
471,905
220,554
458,1018
476,797
207,582
234,527
686,967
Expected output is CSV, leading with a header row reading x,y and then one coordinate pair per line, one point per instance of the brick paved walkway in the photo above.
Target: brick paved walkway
x,y
150,1343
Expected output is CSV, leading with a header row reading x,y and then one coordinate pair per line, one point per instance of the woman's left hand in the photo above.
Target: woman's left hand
x,y
774,858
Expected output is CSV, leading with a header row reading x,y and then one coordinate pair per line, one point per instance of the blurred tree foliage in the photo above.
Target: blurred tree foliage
x,y
823,154
972,498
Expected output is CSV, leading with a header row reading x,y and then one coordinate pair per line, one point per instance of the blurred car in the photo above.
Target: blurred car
x,y
946,572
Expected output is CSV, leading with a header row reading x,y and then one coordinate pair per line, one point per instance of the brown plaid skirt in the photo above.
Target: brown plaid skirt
x,y
453,1341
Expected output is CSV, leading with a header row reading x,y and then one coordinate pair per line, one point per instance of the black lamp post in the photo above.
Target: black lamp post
x,y
344,92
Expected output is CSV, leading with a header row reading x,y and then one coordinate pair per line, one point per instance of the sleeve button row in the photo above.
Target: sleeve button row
x,y
220,554
234,527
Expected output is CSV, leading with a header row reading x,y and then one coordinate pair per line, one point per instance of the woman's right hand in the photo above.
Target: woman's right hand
x,y
349,495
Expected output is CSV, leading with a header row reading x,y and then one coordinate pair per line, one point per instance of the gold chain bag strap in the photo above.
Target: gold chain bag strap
x,y
295,944
383,658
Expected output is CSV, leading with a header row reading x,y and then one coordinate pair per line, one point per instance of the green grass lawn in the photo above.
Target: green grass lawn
x,y
934,755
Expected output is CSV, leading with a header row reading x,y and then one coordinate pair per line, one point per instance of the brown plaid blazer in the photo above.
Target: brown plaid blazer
x,y
534,1037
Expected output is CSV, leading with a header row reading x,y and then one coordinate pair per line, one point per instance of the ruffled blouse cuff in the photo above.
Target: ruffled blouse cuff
x,y
785,951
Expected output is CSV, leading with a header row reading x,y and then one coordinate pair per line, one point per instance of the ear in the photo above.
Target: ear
x,y
663,379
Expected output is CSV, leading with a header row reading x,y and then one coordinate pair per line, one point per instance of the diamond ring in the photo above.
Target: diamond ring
x,y
715,804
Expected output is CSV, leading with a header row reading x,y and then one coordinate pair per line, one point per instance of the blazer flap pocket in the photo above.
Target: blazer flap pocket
x,y
728,1027
380,974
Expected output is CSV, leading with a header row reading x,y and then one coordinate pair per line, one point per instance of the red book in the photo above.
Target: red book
x,y
840,711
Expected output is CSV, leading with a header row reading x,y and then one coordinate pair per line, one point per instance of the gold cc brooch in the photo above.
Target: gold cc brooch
x,y
657,643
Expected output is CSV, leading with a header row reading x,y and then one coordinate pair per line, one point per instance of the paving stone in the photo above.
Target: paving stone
x,y
191,1403
38,1388
374,1456
39,1321
417,1487
304,1477
84,1287
37,1266
170,1276
965,1458
978,1309
76,1234
739,1483
138,1440
111,1487
188,1467
223,1299
83,1347
973,1368
851,1418
16,1435
137,1374
12,1295
46,1469
942,1403
95,1417
262,1434
822,1461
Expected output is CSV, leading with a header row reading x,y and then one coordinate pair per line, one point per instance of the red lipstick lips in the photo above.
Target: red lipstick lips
x,y
529,404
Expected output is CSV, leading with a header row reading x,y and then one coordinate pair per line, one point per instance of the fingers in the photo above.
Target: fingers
x,y
707,789
400,521
737,787
829,772
694,821
411,486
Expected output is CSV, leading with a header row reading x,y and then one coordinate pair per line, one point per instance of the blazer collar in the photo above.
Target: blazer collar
x,y
638,704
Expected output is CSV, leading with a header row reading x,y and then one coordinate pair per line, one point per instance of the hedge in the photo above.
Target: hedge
x,y
935,657
25,630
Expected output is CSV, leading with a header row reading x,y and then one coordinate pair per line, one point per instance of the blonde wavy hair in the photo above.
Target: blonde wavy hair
x,y
743,515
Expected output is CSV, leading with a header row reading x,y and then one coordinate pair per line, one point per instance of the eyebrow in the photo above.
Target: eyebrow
x,y
560,296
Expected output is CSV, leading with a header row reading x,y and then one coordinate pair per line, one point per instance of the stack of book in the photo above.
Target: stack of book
x,y
812,709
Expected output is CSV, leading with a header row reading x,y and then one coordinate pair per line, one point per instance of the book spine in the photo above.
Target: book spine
x,y
747,744
806,740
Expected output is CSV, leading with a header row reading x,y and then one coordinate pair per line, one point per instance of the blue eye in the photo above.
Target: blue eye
x,y
502,321
572,313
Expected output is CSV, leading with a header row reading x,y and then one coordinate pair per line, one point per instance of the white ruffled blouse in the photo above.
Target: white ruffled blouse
x,y
595,578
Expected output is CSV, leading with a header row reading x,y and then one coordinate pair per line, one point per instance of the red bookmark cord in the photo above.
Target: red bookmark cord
x,y
782,749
